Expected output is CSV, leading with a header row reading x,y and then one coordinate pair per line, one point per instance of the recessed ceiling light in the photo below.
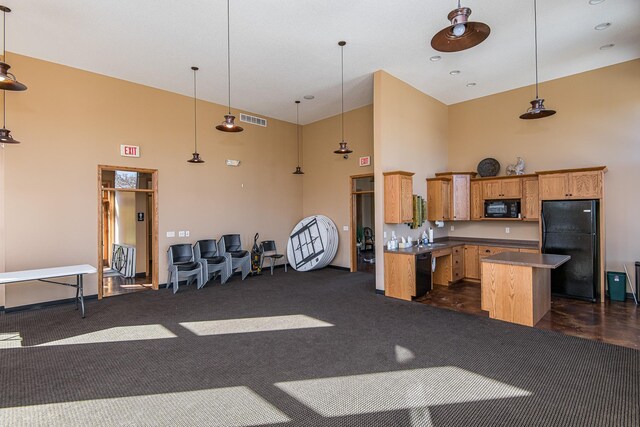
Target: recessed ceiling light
x,y
603,26
607,46
454,72
595,1
435,58
471,84
309,97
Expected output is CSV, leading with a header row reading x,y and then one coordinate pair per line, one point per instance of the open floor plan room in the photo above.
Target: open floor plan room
x,y
317,348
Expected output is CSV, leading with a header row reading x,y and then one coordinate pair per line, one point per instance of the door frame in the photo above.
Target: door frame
x,y
354,211
154,223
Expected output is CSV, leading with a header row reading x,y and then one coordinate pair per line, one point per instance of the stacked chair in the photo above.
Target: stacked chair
x,y
182,265
206,252
240,259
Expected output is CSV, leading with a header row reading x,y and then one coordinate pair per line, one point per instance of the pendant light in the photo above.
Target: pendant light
x,y
196,156
298,170
5,134
228,124
7,80
461,34
537,109
343,144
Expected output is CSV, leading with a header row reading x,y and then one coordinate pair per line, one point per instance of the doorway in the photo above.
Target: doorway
x,y
127,230
363,248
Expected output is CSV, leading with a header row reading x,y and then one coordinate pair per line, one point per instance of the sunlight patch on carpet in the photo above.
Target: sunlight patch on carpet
x,y
232,406
117,334
397,390
254,324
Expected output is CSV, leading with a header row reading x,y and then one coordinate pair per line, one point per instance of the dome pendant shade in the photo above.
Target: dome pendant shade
x,y
195,159
343,149
7,80
6,138
196,156
537,110
229,124
461,34
298,170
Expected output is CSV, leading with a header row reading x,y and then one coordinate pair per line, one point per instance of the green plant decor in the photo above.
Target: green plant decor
x,y
419,212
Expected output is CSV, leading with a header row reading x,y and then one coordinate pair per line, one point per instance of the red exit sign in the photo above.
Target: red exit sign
x,y
130,151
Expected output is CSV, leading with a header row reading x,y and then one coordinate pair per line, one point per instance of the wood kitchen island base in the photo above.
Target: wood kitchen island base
x,y
516,286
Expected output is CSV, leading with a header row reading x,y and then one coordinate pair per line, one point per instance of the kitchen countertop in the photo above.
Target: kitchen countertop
x,y
527,259
452,242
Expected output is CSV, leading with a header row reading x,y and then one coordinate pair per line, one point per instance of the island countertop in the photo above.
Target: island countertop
x,y
528,259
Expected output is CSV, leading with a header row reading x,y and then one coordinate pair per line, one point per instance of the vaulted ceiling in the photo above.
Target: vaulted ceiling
x,y
282,50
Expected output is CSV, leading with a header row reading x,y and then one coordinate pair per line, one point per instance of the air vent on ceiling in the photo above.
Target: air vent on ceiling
x,y
253,120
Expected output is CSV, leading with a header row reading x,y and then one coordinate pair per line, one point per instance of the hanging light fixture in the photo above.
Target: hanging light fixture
x,y
537,109
461,34
196,156
5,134
343,144
7,80
298,170
228,125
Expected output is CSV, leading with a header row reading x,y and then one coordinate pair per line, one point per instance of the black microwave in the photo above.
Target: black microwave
x,y
502,208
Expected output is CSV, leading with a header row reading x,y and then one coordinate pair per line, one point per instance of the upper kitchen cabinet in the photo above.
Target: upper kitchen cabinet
x,y
448,196
438,195
572,184
530,199
398,197
501,188
477,203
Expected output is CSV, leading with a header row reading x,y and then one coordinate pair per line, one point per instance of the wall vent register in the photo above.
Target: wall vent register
x,y
258,121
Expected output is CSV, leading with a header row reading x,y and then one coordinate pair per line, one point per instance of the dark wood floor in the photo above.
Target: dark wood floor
x,y
612,322
364,261
118,285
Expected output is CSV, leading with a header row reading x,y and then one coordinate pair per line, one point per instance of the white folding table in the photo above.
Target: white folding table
x,y
45,274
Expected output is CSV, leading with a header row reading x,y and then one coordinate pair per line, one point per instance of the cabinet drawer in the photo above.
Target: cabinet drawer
x,y
456,274
441,252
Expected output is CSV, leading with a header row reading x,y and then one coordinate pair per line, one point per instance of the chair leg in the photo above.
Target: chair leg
x,y
272,262
246,268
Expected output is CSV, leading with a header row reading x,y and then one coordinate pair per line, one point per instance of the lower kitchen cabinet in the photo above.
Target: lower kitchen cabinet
x,y
471,262
457,263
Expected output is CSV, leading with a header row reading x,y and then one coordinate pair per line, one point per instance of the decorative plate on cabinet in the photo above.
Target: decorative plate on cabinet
x,y
488,167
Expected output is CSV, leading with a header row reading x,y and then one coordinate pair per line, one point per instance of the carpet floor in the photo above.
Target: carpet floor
x,y
317,349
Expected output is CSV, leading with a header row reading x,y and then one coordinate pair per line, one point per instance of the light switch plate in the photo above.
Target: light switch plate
x,y
180,233
452,228
507,230
171,234
186,233
345,228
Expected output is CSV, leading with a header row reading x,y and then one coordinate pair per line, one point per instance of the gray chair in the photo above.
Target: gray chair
x,y
182,265
206,251
240,259
368,239
269,251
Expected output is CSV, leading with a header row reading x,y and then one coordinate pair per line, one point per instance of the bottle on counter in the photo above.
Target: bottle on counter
x,y
430,235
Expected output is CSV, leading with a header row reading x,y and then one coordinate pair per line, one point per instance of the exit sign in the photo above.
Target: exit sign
x,y
129,151
365,161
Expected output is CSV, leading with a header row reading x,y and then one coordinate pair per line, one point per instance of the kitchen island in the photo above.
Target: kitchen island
x,y
516,286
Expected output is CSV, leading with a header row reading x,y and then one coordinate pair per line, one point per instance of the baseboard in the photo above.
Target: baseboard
x,y
337,267
380,291
46,304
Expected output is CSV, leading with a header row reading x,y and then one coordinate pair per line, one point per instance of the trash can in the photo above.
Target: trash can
x,y
617,285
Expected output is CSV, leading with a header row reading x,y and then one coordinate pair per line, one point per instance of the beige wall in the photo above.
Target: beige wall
x,y
69,121
598,123
410,134
326,180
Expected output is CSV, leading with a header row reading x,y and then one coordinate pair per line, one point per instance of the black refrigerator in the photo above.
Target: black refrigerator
x,y
570,227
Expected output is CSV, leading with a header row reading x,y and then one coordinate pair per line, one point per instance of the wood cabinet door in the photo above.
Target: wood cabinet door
x,y
477,208
553,186
511,188
399,276
471,262
460,198
530,200
392,199
406,199
434,200
491,189
585,185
